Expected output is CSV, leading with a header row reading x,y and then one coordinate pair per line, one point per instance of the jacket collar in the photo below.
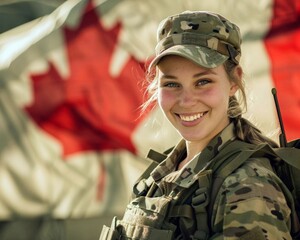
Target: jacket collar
x,y
196,165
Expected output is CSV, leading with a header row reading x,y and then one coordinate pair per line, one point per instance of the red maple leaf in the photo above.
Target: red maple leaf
x,y
90,109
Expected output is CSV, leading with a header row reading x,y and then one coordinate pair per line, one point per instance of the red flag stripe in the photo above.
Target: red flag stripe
x,y
283,46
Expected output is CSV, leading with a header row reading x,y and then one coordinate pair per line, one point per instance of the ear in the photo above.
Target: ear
x,y
238,74
233,88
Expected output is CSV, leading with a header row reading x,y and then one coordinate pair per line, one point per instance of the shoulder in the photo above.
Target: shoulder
x,y
254,179
254,168
252,197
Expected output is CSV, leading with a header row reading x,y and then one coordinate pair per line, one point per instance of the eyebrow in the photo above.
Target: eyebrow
x,y
206,72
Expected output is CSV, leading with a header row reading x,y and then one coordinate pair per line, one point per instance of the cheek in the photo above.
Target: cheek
x,y
216,98
165,99
210,96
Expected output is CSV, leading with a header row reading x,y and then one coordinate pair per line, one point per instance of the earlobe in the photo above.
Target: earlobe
x,y
234,87
239,72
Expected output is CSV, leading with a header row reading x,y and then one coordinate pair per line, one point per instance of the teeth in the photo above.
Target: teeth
x,y
191,117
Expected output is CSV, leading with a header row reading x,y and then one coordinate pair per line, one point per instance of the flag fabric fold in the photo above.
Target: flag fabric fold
x,y
72,81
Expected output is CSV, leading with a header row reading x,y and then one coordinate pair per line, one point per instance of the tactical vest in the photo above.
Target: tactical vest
x,y
148,217
152,218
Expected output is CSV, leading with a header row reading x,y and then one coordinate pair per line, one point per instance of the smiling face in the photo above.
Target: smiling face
x,y
193,98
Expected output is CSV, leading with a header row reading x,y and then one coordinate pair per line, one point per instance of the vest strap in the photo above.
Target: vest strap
x,y
200,201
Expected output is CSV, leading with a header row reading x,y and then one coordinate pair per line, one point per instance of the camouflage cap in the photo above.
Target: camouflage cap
x,y
206,38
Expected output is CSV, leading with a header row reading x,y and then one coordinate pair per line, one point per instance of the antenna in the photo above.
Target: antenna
x,y
282,136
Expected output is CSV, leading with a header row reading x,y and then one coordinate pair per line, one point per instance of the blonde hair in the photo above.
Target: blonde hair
x,y
244,129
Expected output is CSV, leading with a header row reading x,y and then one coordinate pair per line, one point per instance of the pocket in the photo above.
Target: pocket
x,y
147,211
146,218
142,232
110,233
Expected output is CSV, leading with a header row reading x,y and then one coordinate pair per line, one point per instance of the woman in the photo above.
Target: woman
x,y
196,77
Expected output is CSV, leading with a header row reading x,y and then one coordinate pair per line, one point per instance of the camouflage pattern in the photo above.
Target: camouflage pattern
x,y
206,38
250,201
249,205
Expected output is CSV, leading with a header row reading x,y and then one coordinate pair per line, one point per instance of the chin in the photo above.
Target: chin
x,y
192,138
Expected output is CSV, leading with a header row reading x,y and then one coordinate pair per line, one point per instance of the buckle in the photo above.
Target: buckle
x,y
140,188
200,198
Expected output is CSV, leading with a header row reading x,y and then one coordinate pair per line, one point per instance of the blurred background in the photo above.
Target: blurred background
x,y
72,80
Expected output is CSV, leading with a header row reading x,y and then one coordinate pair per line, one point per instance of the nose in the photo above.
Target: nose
x,y
187,98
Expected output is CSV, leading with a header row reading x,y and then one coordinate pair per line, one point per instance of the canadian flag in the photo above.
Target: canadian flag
x,y
73,139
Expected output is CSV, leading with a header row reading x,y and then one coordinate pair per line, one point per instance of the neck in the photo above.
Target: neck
x,y
192,149
195,147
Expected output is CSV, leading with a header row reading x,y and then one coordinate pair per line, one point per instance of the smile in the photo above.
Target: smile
x,y
190,118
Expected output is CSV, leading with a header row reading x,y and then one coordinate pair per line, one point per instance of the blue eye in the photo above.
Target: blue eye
x,y
171,85
203,82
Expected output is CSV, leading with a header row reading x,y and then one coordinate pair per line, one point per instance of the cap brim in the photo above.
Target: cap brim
x,y
202,56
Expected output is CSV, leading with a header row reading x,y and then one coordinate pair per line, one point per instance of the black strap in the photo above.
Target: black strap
x,y
156,156
143,183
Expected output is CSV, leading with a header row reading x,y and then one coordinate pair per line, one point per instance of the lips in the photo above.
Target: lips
x,y
192,117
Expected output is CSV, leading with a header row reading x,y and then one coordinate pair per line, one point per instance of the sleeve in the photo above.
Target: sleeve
x,y
251,205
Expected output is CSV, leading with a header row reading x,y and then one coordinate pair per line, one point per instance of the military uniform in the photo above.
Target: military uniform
x,y
250,199
250,204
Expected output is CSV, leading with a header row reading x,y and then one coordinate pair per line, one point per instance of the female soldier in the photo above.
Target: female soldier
x,y
197,75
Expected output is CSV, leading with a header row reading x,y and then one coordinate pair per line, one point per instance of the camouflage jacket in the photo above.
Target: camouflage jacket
x,y
250,201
